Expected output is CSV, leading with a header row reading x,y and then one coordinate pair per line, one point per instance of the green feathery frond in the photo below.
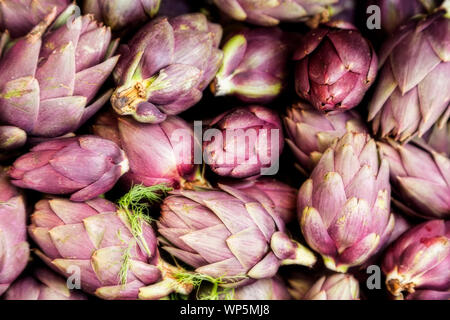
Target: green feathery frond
x,y
123,273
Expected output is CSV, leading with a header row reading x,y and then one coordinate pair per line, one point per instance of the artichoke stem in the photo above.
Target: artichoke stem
x,y
302,256
125,101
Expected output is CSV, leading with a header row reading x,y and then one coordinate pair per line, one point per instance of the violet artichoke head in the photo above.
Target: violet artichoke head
x,y
255,65
84,167
264,289
272,12
421,179
43,285
113,251
341,220
20,16
166,66
311,132
227,234
438,138
51,76
157,153
420,260
120,14
244,142
14,250
334,287
412,93
336,66
271,193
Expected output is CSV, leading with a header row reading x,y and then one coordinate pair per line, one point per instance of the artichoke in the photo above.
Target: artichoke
x,y
119,14
420,260
166,66
311,132
113,249
14,250
157,153
334,287
271,193
227,234
51,76
20,16
84,166
264,289
421,179
244,142
412,93
255,65
336,65
272,12
43,285
429,295
339,218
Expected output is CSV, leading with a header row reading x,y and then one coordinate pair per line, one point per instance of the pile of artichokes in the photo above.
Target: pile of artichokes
x,y
224,149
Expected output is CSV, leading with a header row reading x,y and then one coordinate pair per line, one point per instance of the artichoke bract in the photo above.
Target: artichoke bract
x,y
227,234
272,12
264,289
112,251
412,93
271,193
255,65
339,218
20,16
336,66
419,260
84,167
166,66
244,142
310,132
14,250
120,14
438,138
43,285
429,295
51,76
11,138
421,178
334,287
157,153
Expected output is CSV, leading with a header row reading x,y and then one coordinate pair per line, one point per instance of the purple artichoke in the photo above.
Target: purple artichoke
x,y
272,12
166,66
255,65
85,167
420,260
336,66
157,153
51,76
334,287
119,14
421,179
339,219
14,249
311,132
396,12
227,234
271,193
44,285
244,142
412,93
20,16
11,138
114,250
